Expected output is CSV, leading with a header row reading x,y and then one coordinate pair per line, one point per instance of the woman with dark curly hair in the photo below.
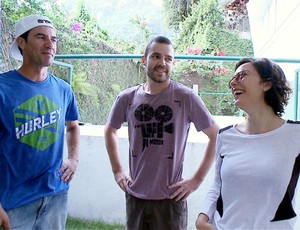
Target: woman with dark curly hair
x,y
258,161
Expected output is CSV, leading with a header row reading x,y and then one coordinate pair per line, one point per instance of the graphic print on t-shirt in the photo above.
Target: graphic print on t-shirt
x,y
154,122
37,122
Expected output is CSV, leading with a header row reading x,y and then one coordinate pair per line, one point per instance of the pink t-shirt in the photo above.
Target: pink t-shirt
x,y
158,126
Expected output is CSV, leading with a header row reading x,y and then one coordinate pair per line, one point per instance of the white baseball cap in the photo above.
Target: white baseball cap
x,y
22,26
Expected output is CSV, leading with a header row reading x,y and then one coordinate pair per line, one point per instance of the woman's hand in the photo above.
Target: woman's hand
x,y
202,223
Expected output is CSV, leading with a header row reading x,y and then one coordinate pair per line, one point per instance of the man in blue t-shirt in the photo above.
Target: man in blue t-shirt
x,y
36,110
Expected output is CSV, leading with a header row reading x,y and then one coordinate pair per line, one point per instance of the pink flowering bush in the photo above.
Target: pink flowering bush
x,y
211,77
206,69
221,70
196,51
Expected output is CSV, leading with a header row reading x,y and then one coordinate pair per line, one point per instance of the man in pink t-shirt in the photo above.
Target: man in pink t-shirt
x,y
158,114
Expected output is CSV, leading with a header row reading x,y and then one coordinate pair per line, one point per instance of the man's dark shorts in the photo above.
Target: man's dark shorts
x,y
155,214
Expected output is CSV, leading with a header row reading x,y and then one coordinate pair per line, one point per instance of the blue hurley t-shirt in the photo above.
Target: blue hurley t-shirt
x,y
32,125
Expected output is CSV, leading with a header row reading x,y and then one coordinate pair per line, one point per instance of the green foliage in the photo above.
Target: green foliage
x,y
204,30
194,30
145,33
141,24
90,26
176,11
137,46
82,87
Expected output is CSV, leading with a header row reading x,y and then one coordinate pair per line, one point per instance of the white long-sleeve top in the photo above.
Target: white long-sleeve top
x,y
255,179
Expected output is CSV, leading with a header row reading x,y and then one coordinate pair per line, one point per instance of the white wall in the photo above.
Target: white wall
x,y
274,25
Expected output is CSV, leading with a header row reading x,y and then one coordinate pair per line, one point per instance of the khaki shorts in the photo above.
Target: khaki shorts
x,y
155,214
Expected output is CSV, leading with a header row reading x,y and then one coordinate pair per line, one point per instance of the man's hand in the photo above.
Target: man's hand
x,y
184,189
68,169
123,180
4,221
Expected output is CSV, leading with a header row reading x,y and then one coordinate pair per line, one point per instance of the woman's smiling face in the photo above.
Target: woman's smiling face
x,y
247,87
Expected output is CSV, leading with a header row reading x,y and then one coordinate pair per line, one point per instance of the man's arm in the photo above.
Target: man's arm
x,y
111,142
209,155
72,137
186,187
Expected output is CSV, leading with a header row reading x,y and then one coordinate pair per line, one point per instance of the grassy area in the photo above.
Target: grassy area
x,y
74,223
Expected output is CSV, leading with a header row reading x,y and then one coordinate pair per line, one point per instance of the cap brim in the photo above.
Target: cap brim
x,y
15,52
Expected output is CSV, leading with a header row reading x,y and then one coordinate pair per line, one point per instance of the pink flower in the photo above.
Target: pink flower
x,y
197,51
18,4
77,27
224,70
221,53
216,70
189,50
